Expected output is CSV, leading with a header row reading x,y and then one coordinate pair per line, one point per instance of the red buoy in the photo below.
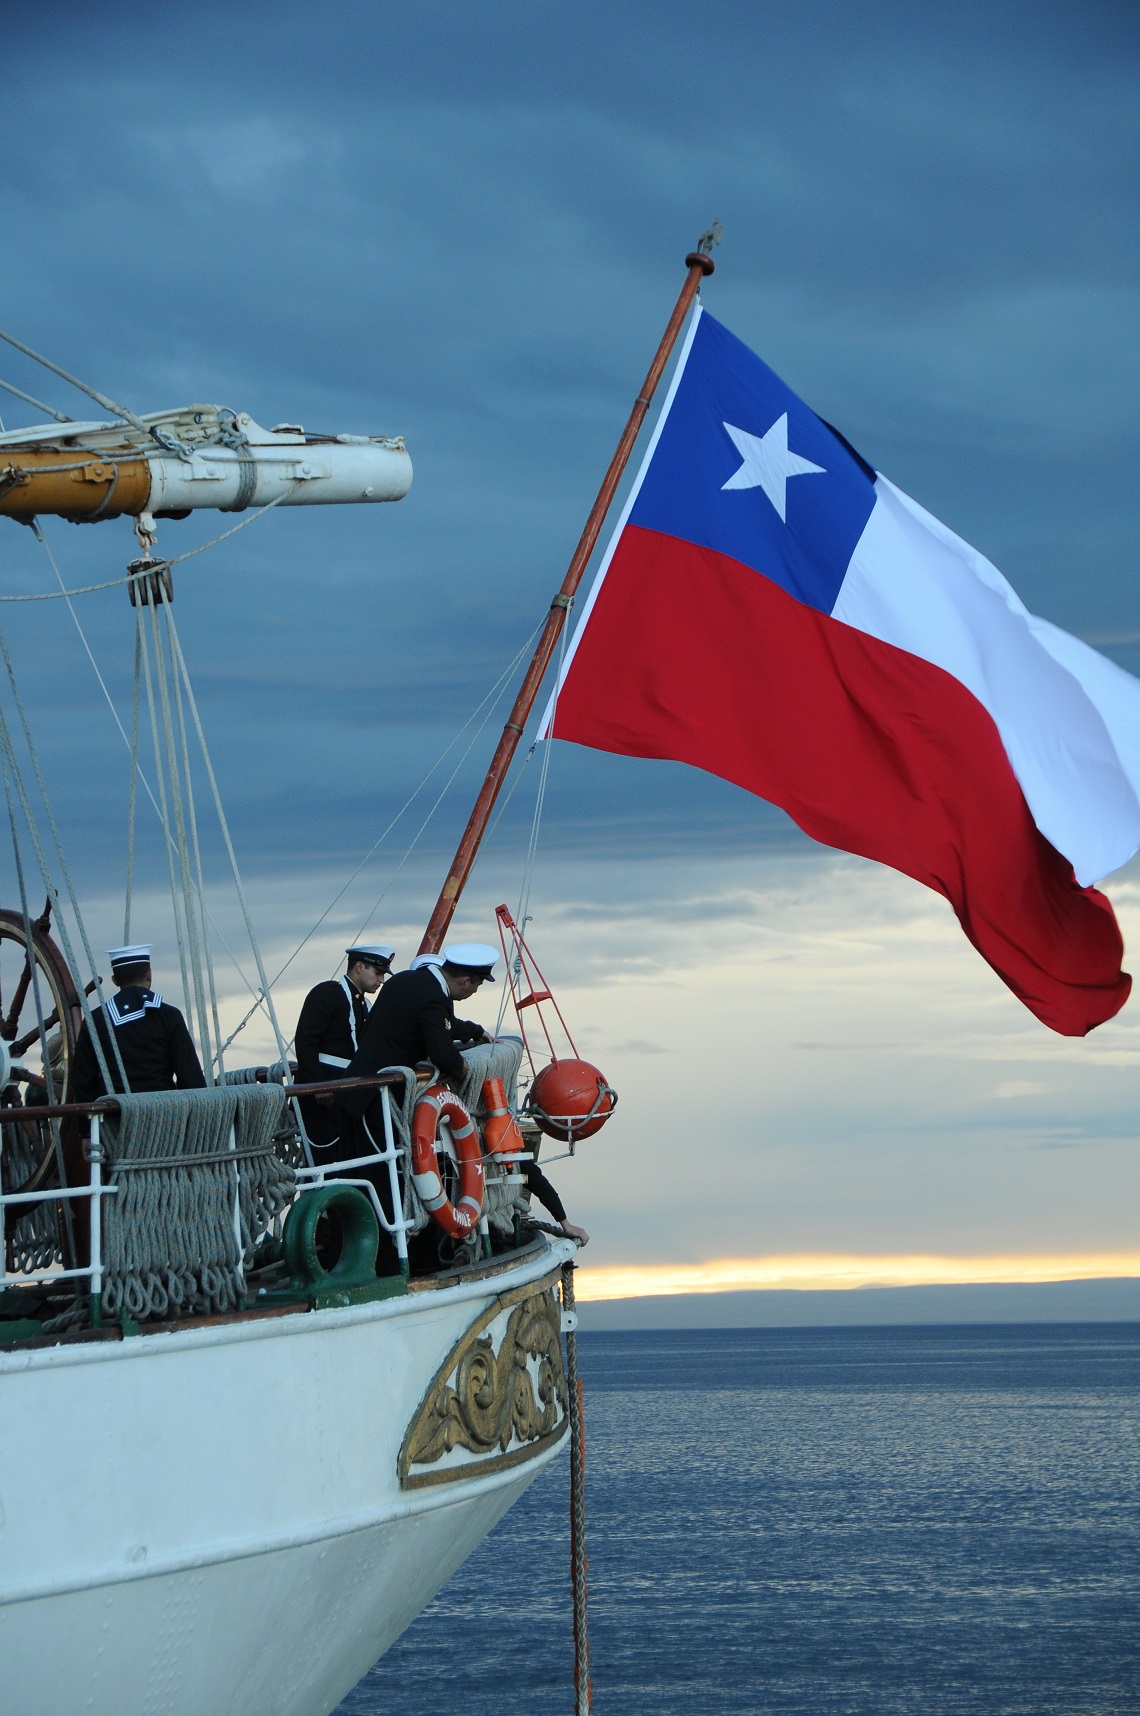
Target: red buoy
x,y
571,1100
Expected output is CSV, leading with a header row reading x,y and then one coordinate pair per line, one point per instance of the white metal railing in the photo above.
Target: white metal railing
x,y
398,1226
95,1191
339,1172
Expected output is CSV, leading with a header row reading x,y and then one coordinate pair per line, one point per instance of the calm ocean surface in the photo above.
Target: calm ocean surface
x,y
816,1521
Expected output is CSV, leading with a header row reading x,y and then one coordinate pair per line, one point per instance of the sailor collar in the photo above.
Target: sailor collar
x,y
130,1005
437,973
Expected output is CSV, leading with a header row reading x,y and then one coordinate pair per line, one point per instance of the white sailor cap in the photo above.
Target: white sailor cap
x,y
423,959
139,955
473,956
375,953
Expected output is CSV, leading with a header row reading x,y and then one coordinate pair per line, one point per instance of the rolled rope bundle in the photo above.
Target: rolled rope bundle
x,y
500,1059
279,1073
33,1237
181,1160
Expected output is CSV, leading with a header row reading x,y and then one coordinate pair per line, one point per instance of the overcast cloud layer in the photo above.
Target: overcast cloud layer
x,y
467,225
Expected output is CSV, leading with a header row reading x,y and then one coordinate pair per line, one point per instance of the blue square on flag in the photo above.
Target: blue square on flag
x,y
746,468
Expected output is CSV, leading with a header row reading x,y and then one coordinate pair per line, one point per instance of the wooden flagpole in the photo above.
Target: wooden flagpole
x,y
699,263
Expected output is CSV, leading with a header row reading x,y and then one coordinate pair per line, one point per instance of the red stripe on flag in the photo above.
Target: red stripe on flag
x,y
689,655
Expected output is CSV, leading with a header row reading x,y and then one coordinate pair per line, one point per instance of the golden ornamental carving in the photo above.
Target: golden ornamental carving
x,y
503,1407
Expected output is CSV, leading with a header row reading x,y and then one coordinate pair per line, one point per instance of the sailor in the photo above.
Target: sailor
x,y
153,1043
540,1187
414,1019
332,1019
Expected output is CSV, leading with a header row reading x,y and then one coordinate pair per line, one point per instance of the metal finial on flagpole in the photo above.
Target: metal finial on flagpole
x,y
706,241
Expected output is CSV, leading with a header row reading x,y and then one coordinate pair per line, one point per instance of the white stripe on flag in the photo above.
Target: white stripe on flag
x,y
1068,717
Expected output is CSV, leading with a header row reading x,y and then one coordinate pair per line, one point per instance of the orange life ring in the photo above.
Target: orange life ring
x,y
438,1103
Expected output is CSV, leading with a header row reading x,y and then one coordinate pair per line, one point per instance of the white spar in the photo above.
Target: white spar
x,y
175,462
284,466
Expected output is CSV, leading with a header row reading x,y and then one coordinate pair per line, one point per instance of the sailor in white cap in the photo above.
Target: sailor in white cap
x,y
154,1045
414,1019
332,1019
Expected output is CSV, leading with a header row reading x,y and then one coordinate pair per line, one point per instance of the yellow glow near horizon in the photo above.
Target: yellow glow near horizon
x,y
807,1273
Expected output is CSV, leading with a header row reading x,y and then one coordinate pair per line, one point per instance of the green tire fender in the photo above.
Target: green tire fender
x,y
352,1211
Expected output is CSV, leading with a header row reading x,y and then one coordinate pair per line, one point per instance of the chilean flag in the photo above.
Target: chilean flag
x,y
772,610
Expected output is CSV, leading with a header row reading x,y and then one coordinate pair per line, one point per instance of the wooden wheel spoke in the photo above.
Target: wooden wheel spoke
x,y
50,980
12,1017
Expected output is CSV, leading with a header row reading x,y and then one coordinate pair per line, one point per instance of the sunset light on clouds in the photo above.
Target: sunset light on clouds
x,y
814,1274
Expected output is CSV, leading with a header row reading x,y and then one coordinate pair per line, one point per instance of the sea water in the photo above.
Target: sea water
x,y
812,1522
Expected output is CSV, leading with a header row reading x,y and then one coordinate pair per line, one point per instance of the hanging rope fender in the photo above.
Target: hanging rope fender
x,y
438,1103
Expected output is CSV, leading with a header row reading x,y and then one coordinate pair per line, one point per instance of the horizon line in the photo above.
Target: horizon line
x,y
814,1272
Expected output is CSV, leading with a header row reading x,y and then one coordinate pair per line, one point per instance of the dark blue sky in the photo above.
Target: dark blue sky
x,y
466,224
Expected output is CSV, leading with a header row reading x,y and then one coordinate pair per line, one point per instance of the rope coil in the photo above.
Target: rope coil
x,y
199,1181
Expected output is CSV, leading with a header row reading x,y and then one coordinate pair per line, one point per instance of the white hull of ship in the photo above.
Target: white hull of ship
x,y
233,1520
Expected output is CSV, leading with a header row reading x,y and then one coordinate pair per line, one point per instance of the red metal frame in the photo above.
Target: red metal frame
x,y
522,967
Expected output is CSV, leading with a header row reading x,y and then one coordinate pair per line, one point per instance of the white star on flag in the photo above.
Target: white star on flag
x,y
768,463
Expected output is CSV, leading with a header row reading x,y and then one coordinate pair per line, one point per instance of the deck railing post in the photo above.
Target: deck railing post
x,y
95,1217
400,1225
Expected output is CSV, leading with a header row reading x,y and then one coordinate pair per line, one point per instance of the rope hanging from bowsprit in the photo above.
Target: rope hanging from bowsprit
x,y
583,1691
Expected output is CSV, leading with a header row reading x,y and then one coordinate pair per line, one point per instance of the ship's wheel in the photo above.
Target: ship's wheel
x,y
58,1003
28,965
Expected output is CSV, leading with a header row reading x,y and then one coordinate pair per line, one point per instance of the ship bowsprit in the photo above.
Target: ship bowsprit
x,y
200,456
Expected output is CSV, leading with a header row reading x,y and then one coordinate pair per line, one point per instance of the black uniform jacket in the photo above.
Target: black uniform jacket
x,y
156,1048
324,1029
413,1019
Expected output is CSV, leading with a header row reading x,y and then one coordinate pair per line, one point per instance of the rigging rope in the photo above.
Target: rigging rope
x,y
176,648
583,1691
522,916
200,885
132,744
445,789
122,411
137,577
61,857
195,986
160,778
180,826
30,399
33,1231
134,750
492,697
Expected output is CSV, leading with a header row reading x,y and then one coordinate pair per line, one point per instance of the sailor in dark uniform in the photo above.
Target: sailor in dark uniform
x,y
414,1019
332,1020
155,1047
